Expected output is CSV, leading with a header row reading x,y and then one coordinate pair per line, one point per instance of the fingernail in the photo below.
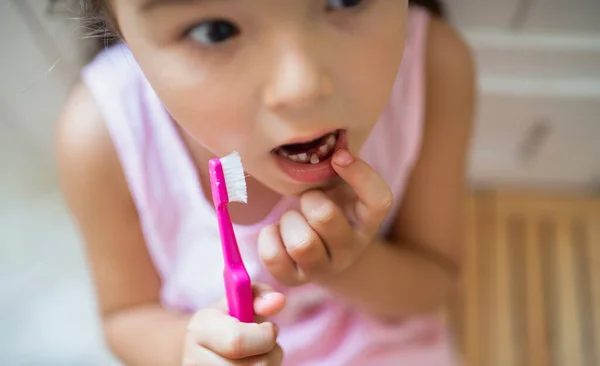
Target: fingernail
x,y
268,295
343,158
276,329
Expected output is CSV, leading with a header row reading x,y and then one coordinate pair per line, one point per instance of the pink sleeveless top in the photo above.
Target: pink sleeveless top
x,y
181,231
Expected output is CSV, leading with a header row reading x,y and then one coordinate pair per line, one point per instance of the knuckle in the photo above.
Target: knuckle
x,y
196,324
291,280
302,244
268,257
277,354
323,214
267,246
386,201
308,258
269,335
235,344
343,259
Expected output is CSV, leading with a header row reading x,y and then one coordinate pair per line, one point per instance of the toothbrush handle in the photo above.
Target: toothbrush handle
x,y
239,294
238,286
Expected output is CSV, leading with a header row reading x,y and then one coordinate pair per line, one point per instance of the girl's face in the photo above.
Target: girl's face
x,y
271,79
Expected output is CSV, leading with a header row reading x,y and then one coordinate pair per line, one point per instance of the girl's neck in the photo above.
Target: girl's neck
x,y
261,199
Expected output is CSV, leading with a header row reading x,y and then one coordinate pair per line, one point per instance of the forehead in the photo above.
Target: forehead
x,y
149,5
145,6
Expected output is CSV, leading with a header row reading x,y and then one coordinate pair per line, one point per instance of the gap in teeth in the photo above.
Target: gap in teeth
x,y
314,155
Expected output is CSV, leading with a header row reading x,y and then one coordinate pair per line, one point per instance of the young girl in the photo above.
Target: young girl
x,y
352,118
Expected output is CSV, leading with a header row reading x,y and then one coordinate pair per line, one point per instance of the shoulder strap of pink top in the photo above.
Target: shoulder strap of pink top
x,y
153,158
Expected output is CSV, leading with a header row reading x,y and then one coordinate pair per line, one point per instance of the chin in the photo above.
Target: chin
x,y
295,189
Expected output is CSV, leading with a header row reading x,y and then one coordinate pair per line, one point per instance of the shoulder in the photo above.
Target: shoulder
x,y
86,159
98,197
449,63
431,208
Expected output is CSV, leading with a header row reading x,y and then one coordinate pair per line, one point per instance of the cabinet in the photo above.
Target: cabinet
x,y
531,283
537,140
539,78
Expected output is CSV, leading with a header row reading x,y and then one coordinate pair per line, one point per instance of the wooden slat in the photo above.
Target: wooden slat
x,y
503,351
569,341
486,230
561,302
593,246
537,349
471,337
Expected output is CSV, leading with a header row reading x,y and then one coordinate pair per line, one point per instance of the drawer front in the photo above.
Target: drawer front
x,y
486,13
530,140
536,55
578,16
563,15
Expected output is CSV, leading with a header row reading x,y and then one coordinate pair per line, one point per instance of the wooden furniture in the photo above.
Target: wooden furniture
x,y
531,291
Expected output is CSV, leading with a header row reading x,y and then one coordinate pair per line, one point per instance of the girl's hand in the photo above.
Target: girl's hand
x,y
326,238
215,338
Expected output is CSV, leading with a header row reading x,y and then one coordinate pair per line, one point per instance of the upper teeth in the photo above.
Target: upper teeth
x,y
331,140
315,157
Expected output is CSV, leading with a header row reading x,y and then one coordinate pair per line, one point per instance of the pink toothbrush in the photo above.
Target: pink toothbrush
x,y
228,184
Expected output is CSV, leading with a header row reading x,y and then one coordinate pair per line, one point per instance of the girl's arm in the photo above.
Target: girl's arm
x,y
417,268
137,329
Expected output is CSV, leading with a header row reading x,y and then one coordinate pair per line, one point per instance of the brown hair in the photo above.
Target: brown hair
x,y
99,23
95,17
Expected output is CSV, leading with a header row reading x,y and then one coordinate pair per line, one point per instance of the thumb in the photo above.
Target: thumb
x,y
267,302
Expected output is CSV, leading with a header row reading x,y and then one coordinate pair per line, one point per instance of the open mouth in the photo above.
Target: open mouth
x,y
312,152
310,162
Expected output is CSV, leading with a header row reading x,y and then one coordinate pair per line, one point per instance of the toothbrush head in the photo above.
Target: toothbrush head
x,y
228,177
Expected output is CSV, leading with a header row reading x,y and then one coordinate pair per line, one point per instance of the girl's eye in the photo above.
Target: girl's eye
x,y
213,31
340,4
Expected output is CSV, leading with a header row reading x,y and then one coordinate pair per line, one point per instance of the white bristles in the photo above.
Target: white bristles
x,y
235,177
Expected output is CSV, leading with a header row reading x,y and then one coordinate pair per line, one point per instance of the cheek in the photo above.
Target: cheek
x,y
370,74
209,106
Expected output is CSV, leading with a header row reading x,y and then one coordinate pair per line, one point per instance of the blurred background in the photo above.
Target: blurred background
x,y
531,293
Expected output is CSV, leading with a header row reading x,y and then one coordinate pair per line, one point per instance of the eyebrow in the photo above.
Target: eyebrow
x,y
151,5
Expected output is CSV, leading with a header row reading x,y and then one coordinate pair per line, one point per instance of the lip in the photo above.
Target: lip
x,y
306,139
311,173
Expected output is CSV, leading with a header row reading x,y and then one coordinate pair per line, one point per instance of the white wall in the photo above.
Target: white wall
x,y
39,63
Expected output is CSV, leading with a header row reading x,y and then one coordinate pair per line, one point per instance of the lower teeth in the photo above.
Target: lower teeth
x,y
315,157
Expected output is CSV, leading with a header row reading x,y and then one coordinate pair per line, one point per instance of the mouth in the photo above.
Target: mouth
x,y
310,162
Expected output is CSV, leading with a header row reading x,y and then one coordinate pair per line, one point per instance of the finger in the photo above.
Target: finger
x,y
275,258
375,198
303,244
230,338
330,223
196,355
267,302
275,357
200,356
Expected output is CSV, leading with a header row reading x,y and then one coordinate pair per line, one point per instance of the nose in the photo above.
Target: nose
x,y
298,79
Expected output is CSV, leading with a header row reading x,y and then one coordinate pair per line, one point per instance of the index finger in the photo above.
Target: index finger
x,y
375,198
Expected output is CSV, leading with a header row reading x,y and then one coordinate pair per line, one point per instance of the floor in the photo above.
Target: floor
x,y
531,295
47,312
